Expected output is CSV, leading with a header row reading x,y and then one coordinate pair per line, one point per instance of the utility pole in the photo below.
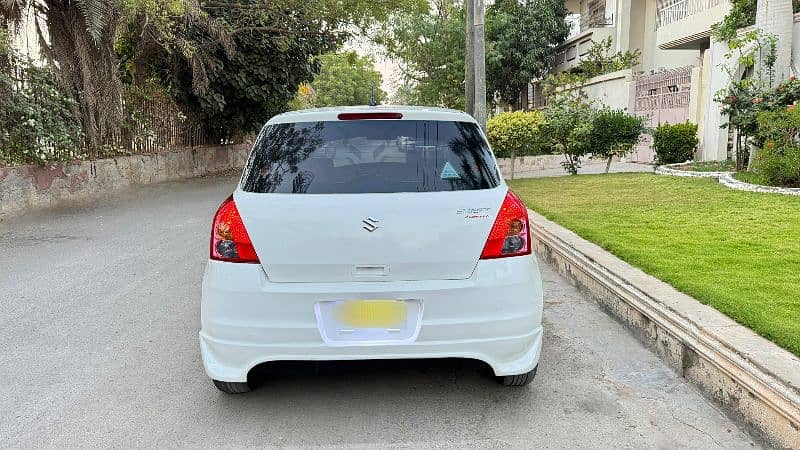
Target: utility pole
x,y
479,58
469,61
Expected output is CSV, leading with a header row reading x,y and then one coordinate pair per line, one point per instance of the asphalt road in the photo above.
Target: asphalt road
x,y
98,347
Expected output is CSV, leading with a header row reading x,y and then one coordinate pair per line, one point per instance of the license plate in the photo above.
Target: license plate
x,y
371,313
369,321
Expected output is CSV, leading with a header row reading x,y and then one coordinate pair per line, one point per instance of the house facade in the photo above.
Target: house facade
x,y
681,65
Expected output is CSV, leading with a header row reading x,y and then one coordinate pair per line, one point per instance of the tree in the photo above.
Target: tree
x,y
346,79
229,65
429,47
515,134
614,133
567,128
524,35
235,63
191,43
80,46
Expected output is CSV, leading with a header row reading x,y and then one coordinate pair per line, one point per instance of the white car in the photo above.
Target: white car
x,y
371,233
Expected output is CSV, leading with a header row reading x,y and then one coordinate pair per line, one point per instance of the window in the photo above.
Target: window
x,y
370,156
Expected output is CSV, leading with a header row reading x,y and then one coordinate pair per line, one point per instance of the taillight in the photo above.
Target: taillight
x,y
511,234
229,239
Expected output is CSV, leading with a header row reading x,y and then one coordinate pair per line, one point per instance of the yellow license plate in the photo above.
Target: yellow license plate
x,y
372,313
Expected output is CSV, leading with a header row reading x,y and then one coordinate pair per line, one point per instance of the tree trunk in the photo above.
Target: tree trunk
x,y
608,163
513,159
751,153
87,71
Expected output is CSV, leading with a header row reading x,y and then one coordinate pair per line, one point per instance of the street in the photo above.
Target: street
x,y
98,347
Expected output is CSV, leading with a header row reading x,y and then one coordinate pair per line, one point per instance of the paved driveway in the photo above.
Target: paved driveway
x,y
98,347
588,167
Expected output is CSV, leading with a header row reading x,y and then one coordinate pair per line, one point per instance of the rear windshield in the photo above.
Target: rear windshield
x,y
370,156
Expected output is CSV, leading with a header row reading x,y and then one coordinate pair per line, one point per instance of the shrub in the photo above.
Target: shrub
x,y
777,162
36,121
614,133
742,14
675,143
567,128
515,133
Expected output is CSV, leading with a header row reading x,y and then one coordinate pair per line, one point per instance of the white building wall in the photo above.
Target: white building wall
x,y
714,146
653,57
26,39
612,89
796,46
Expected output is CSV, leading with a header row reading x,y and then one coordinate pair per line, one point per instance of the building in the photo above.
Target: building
x,y
680,68
26,38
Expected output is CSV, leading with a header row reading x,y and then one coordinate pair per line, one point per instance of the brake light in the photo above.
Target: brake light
x,y
229,239
511,234
370,116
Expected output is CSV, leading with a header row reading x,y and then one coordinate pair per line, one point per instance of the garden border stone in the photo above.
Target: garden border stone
x,y
726,179
669,169
751,378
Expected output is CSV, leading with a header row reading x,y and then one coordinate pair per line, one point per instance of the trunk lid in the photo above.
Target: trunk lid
x,y
327,238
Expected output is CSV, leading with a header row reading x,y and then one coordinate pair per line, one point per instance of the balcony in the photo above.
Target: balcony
x,y
593,25
569,54
686,24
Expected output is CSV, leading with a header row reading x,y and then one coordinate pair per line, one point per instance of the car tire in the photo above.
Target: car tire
x,y
230,387
518,380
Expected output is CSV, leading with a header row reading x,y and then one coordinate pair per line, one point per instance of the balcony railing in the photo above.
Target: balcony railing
x,y
680,9
596,19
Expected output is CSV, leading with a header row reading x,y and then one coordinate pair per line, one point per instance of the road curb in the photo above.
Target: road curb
x,y
752,379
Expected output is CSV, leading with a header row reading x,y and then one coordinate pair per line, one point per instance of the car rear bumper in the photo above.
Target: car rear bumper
x,y
494,316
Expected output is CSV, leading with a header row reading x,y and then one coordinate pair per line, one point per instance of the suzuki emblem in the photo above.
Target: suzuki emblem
x,y
370,224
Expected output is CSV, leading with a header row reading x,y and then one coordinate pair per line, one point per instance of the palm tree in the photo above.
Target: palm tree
x,y
79,44
775,17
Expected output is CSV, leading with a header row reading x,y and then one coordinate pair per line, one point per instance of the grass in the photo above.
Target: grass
x,y
736,251
752,178
709,166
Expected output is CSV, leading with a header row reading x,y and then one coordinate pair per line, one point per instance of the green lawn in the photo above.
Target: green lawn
x,y
736,251
709,166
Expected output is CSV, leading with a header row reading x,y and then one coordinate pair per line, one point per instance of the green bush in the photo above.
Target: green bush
x,y
614,133
515,133
36,121
777,162
675,143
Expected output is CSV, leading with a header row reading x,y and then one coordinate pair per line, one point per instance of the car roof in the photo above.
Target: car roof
x,y
408,112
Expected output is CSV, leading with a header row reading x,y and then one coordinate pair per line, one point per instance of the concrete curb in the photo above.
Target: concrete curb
x,y
752,379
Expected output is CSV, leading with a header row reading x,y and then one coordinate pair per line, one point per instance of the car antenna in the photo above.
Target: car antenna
x,y
372,100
